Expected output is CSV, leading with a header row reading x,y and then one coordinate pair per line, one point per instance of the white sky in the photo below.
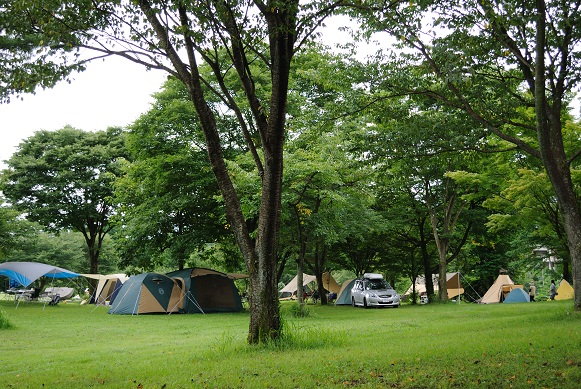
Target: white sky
x,y
113,92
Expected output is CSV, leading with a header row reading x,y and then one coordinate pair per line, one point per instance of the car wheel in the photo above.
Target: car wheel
x,y
353,302
365,303
396,306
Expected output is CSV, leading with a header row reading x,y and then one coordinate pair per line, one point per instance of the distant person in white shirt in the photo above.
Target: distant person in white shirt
x,y
532,291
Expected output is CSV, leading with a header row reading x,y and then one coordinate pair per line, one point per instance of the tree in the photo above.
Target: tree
x,y
492,61
65,249
167,195
13,229
229,36
63,180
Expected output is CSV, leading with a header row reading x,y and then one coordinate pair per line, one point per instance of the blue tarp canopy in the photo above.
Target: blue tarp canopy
x,y
28,272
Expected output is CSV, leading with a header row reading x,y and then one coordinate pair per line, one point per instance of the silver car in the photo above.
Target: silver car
x,y
372,290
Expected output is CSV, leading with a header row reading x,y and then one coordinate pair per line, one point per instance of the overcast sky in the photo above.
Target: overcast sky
x,y
113,92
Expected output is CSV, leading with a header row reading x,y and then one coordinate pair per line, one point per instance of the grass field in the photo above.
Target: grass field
x,y
535,345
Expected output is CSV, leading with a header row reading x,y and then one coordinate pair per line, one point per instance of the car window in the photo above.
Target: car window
x,y
378,284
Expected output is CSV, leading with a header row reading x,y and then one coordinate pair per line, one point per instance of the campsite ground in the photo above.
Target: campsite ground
x,y
438,345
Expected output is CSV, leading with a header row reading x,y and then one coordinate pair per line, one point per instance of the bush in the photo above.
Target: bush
x,y
299,310
4,321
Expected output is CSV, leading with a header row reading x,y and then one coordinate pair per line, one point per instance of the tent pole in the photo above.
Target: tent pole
x,y
193,300
51,286
121,297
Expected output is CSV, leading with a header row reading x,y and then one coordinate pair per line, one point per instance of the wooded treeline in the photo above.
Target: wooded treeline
x,y
451,148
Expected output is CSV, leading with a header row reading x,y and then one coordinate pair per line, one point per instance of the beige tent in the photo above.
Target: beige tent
x,y
106,285
565,291
453,285
329,284
499,290
292,287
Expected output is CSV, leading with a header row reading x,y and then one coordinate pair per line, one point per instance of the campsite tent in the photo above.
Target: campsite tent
x,y
148,293
517,295
344,295
107,287
28,272
290,288
565,291
329,284
207,290
453,285
499,290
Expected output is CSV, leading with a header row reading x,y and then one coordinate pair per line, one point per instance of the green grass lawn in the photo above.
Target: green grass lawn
x,y
531,345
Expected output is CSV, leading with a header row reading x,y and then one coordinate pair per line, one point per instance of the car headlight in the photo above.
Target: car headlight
x,y
374,295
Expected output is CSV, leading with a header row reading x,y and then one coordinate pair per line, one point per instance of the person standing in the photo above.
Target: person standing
x,y
552,290
532,291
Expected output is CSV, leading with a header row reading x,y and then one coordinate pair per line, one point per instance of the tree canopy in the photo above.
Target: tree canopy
x,y
63,180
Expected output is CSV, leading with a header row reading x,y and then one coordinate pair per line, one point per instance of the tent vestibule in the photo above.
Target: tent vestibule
x,y
207,290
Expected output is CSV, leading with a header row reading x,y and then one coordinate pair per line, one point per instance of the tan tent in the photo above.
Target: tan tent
x,y
292,287
565,291
499,290
330,284
106,286
453,285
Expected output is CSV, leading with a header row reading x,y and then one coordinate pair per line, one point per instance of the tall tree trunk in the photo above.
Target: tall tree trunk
x,y
552,150
426,257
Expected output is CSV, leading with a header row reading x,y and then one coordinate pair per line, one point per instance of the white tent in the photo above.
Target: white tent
x,y
453,285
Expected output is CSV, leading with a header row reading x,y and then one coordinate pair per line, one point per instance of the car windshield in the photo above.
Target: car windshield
x,y
377,285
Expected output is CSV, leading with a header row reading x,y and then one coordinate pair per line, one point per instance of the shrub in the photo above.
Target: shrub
x,y
299,310
4,321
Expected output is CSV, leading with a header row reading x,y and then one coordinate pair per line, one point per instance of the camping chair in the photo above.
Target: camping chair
x,y
315,297
24,294
35,294
55,299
